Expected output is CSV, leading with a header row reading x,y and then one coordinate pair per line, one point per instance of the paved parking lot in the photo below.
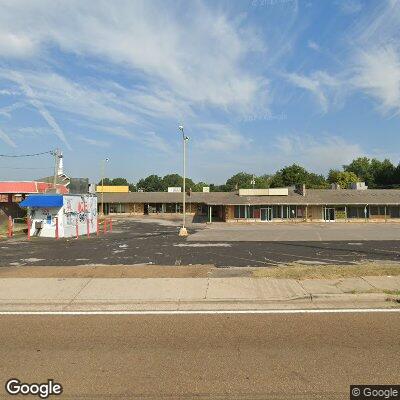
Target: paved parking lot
x,y
157,243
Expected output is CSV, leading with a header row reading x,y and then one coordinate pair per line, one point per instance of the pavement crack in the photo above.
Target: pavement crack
x,y
78,293
208,285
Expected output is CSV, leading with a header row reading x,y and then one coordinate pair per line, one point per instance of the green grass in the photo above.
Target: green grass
x,y
298,271
392,292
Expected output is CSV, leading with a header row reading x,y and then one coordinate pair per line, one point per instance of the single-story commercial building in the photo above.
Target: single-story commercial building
x,y
265,205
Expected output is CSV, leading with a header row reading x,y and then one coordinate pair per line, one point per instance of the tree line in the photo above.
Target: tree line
x,y
375,173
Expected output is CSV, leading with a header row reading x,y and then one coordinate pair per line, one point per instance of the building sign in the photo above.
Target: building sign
x,y
174,190
206,189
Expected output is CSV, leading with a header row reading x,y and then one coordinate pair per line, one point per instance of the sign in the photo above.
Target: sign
x,y
206,189
174,190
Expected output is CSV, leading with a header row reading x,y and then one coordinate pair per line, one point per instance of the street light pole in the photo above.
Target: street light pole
x,y
103,167
183,230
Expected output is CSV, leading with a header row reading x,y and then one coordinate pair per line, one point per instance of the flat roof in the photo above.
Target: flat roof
x,y
312,197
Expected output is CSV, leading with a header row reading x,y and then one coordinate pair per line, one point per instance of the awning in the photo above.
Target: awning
x,y
44,200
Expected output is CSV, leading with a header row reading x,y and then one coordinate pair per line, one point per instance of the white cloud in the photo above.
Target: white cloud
x,y
7,110
220,137
350,6
315,153
320,84
93,142
312,45
30,94
16,45
6,139
196,56
378,75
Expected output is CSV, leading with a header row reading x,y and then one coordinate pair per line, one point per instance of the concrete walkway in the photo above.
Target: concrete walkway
x,y
114,294
297,232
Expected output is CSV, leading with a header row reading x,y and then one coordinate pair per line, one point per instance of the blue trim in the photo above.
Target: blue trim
x,y
43,201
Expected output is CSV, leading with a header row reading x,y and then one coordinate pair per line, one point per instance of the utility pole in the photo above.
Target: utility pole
x,y
56,154
253,180
103,166
185,139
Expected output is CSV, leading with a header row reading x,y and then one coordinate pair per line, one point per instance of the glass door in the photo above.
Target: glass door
x,y
329,214
266,214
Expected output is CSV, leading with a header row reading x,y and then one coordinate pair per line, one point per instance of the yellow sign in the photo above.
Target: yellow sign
x,y
112,189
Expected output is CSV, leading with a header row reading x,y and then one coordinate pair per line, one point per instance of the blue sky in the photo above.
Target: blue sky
x,y
258,84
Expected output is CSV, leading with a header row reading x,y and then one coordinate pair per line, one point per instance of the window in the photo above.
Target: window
x,y
276,212
394,211
240,211
356,212
377,210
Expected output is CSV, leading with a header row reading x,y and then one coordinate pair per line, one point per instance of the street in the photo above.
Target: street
x,y
283,356
157,242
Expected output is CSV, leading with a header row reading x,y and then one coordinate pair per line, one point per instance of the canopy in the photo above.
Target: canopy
x,y
43,200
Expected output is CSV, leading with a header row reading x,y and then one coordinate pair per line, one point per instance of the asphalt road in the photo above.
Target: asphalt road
x,y
202,356
134,242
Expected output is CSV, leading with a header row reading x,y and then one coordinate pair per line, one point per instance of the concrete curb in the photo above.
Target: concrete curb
x,y
326,301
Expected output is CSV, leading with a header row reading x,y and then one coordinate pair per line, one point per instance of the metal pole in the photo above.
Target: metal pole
x,y
183,230
102,187
184,180
56,161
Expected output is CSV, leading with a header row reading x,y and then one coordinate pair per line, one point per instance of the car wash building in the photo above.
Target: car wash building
x,y
58,215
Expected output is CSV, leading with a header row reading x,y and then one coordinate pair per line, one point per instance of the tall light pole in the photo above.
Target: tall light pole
x,y
185,139
103,167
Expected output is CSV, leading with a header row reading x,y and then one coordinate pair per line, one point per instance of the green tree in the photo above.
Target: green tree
x,y
153,183
175,180
241,180
373,172
361,166
315,181
198,187
343,178
296,175
384,172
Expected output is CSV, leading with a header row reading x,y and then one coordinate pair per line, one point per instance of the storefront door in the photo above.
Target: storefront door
x,y
266,214
329,214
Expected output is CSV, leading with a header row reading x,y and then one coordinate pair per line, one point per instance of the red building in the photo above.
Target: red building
x,y
13,192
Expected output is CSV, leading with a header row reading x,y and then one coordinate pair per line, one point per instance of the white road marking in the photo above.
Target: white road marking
x,y
192,312
203,245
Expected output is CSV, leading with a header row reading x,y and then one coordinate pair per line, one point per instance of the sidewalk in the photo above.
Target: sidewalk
x,y
136,294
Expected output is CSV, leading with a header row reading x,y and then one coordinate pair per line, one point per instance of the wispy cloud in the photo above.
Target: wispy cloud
x,y
316,153
6,139
199,61
320,84
94,142
30,94
220,137
312,45
350,6
378,75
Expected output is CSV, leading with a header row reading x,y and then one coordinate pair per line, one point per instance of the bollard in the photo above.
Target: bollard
x,y
77,229
28,222
10,227
110,225
105,225
56,218
97,227
87,227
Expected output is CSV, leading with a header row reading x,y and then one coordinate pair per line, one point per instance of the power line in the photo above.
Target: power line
x,y
26,168
26,155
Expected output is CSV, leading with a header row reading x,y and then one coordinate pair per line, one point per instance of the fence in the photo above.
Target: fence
x,y
103,227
